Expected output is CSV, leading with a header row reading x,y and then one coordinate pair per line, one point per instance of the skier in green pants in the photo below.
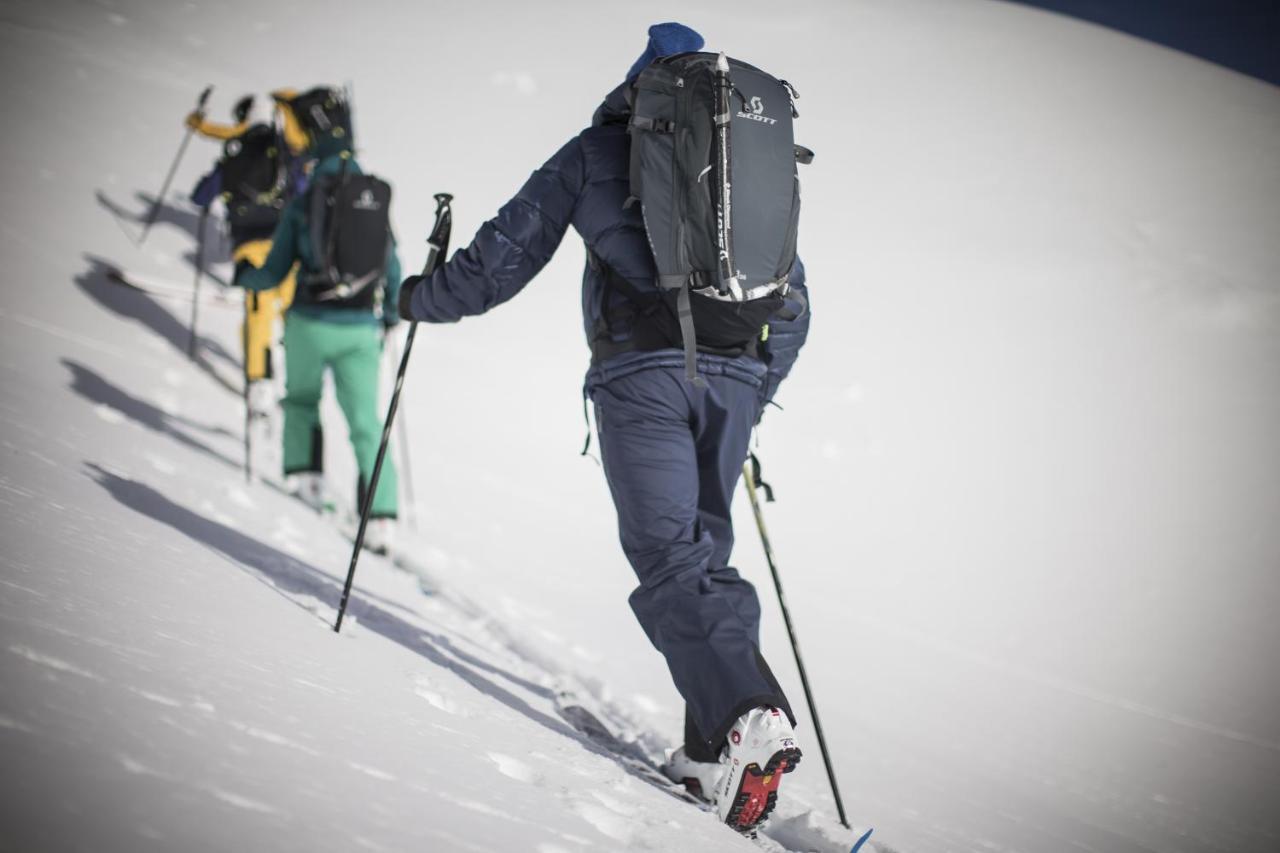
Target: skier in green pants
x,y
338,230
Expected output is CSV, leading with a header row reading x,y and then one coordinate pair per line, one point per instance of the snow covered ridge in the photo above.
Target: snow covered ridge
x,y
1026,467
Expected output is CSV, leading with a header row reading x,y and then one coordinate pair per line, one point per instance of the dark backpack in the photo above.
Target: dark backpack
x,y
713,165
253,179
350,235
323,113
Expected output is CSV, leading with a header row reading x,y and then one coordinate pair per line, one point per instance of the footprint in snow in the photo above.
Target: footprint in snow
x,y
55,664
438,700
132,765
240,801
240,497
613,804
168,402
108,414
513,767
211,511
162,465
606,821
158,698
371,771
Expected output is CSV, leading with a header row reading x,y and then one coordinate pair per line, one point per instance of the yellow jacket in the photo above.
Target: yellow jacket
x,y
212,130
294,135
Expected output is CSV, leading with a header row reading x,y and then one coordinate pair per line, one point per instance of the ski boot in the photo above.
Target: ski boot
x,y
263,401
308,487
761,748
379,535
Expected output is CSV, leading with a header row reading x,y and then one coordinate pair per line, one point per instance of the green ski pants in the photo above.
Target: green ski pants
x,y
353,352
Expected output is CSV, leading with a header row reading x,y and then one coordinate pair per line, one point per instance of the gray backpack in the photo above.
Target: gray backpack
x,y
713,165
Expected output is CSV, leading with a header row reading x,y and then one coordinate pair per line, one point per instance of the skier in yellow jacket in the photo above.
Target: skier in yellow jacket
x,y
255,178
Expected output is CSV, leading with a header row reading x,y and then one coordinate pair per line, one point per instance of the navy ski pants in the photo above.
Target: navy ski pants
x,y
673,453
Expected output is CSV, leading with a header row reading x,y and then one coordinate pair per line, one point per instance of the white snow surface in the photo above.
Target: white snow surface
x,y
1027,468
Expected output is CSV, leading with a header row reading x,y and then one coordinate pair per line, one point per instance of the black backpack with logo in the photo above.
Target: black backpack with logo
x,y
350,236
253,181
713,165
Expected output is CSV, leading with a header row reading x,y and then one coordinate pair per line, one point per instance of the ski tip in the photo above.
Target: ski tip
x,y
857,845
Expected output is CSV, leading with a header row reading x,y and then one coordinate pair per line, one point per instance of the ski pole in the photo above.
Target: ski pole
x,y
168,179
250,298
195,296
406,469
437,246
751,470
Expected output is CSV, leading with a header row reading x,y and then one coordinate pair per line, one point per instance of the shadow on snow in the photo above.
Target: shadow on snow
x,y
217,248
135,305
96,389
291,577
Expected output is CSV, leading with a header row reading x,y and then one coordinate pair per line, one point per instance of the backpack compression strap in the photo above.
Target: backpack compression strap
x,y
688,335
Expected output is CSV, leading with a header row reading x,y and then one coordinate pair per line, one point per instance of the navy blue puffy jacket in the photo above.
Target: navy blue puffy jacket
x,y
585,184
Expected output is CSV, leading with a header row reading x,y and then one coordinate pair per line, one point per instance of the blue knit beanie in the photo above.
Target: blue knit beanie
x,y
665,40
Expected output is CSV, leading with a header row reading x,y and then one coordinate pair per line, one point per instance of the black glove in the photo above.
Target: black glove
x,y
406,296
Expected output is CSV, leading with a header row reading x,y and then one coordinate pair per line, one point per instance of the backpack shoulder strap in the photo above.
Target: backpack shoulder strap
x,y
334,215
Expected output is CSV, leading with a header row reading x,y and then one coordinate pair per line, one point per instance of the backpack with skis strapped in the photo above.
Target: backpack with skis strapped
x,y
350,235
713,165
253,181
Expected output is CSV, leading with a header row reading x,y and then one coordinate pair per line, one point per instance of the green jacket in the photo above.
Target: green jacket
x,y
292,242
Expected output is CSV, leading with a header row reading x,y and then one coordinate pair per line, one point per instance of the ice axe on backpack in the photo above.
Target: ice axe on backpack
x,y
168,179
437,247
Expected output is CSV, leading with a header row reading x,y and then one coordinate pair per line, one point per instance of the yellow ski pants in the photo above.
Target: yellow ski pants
x,y
261,310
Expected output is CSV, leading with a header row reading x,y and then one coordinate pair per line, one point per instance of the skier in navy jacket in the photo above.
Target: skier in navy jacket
x,y
672,451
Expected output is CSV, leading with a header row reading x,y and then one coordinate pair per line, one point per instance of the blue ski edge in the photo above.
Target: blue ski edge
x,y
857,845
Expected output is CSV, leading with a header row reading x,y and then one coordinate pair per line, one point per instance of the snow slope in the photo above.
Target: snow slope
x,y
1027,469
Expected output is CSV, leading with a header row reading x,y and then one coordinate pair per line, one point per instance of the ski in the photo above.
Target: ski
x,y
629,755
165,290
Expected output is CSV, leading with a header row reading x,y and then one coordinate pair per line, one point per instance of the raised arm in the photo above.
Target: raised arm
x,y
212,129
508,250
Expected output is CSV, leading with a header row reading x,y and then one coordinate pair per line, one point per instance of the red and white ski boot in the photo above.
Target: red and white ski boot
x,y
761,748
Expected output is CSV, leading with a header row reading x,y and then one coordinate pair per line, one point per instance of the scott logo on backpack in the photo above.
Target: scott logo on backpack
x,y
366,201
755,111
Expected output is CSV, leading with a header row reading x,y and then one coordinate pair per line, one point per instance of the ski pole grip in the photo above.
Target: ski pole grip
x,y
204,98
438,242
